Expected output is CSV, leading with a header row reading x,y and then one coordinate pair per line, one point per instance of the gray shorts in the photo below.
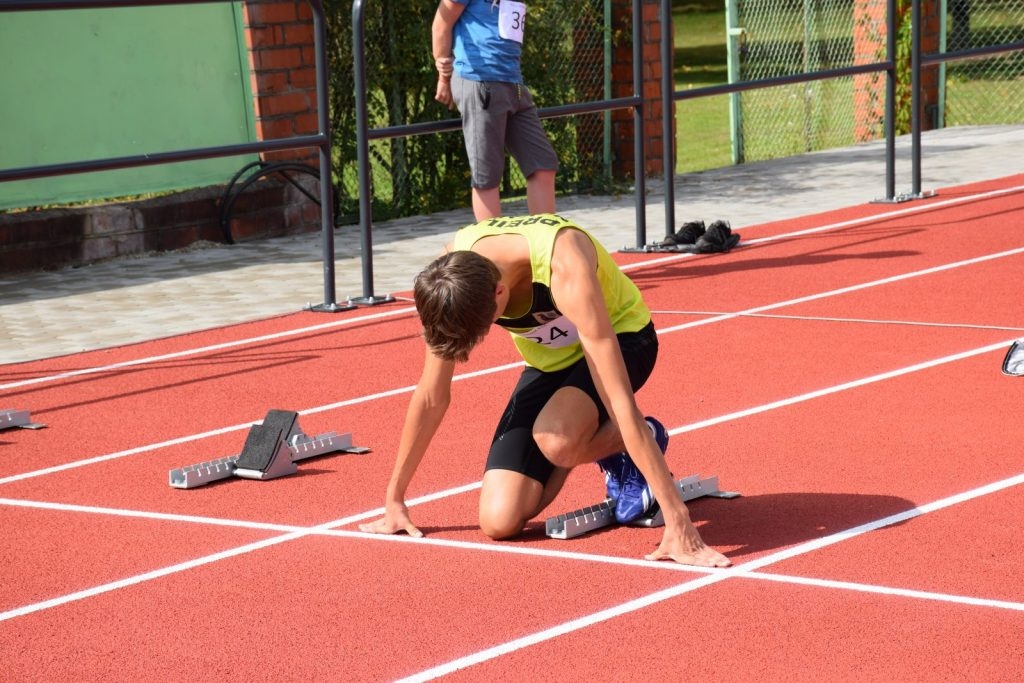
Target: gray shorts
x,y
495,117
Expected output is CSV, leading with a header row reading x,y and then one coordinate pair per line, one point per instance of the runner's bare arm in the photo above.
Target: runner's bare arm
x,y
427,407
577,292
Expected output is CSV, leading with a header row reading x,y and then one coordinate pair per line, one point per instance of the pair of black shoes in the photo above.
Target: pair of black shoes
x,y
693,238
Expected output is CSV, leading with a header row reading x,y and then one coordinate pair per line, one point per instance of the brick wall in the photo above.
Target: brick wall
x,y
282,62
869,44
58,238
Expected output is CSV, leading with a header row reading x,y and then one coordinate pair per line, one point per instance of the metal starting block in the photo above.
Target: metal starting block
x,y
10,419
593,517
271,451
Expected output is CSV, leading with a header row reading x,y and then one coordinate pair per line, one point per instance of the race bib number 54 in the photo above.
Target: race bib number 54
x,y
511,20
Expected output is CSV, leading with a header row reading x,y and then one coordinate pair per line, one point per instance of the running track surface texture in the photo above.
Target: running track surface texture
x,y
841,371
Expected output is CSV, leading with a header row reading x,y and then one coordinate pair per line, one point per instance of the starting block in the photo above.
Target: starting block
x,y
271,450
10,419
1013,364
593,517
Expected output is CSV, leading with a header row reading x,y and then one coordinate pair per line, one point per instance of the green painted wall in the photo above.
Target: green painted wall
x,y
80,85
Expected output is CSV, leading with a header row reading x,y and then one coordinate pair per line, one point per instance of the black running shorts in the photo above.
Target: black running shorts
x,y
513,447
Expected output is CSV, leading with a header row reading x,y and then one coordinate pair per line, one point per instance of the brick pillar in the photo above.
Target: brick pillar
x,y
929,99
869,32
869,43
622,86
282,59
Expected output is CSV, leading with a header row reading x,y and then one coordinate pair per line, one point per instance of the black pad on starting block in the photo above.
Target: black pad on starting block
x,y
270,451
282,420
259,449
264,441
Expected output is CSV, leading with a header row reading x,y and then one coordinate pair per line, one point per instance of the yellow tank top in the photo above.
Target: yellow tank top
x,y
547,339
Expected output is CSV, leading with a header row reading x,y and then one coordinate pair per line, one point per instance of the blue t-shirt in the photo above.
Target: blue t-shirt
x,y
480,53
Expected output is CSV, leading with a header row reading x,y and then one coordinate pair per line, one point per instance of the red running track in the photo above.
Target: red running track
x,y
840,370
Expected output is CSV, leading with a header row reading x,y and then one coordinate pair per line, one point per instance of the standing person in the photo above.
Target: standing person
x,y
484,82
588,341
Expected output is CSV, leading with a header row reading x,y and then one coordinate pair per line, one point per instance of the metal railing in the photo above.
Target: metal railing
x,y
669,97
919,60
364,134
321,140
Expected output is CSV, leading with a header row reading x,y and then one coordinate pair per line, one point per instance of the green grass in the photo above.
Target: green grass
x,y
998,99
702,124
977,93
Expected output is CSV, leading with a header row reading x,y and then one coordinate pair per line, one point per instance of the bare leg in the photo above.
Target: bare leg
x,y
486,203
540,192
568,434
508,500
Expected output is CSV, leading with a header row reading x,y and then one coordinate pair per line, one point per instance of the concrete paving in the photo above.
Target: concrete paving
x,y
48,314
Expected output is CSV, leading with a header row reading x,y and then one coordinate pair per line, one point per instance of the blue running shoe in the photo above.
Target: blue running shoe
x,y
660,433
612,468
635,495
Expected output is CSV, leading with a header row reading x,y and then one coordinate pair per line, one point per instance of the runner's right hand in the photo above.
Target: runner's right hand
x,y
395,519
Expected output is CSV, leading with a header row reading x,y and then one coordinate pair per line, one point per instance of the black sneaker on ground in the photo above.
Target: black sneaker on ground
x,y
688,233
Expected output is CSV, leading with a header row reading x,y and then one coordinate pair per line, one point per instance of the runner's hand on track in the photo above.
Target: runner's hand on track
x,y
687,547
395,519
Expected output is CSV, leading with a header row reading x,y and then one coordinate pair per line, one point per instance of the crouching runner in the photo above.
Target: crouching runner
x,y
589,344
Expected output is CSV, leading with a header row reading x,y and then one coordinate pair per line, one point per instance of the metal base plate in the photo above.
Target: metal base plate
x,y
289,450
593,517
905,197
371,300
330,308
10,418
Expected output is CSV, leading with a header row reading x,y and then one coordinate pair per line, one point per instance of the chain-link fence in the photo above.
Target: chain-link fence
x,y
989,90
566,59
771,38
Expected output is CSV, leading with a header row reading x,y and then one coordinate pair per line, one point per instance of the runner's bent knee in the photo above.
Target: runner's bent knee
x,y
500,524
558,448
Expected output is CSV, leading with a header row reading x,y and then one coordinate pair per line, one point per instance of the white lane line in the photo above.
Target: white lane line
x,y
634,266
408,389
846,290
858,321
299,532
233,428
853,384
717,576
874,218
474,485
747,570
887,590
205,349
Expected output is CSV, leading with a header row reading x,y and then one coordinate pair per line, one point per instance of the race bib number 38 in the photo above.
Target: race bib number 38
x,y
511,20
